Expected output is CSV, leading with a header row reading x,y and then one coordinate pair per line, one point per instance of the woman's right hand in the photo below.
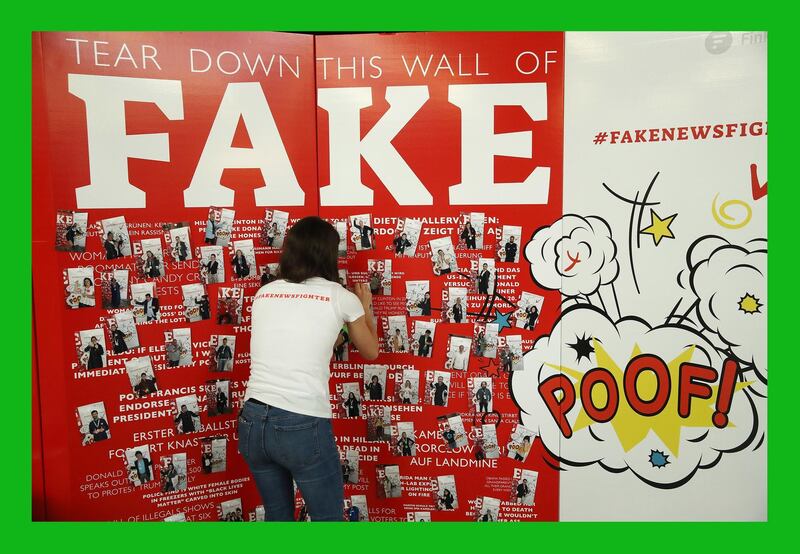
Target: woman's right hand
x,y
364,294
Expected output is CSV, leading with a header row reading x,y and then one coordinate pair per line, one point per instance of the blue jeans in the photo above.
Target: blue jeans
x,y
280,446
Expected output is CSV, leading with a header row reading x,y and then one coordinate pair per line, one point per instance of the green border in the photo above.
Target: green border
x,y
408,15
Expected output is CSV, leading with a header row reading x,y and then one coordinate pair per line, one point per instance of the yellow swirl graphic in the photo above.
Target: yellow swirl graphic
x,y
722,213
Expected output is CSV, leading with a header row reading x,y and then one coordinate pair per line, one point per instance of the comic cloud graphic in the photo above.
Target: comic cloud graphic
x,y
660,400
727,291
575,255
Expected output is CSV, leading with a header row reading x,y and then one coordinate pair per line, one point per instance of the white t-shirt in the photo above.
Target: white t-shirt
x,y
294,328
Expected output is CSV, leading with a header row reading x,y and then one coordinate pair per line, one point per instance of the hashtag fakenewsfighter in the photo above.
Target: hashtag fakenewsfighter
x,y
600,137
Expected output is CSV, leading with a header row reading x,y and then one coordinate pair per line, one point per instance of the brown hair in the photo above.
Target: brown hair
x,y
310,250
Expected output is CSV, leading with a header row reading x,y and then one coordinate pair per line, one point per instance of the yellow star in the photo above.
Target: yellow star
x,y
659,228
749,304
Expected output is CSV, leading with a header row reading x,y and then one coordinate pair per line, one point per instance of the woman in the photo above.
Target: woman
x,y
521,452
116,293
375,389
87,294
118,340
447,499
285,431
95,351
240,266
272,232
365,232
181,250
406,393
351,405
340,345
480,344
151,265
468,235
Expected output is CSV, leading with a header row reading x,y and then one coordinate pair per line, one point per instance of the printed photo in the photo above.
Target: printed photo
x,y
259,514
396,333
180,516
195,302
92,348
470,233
379,273
350,394
508,247
92,423
422,338
487,509
186,414
374,381
218,397
212,264
71,230
486,441
268,273
178,347
524,486
243,261
362,235
231,510
213,454
141,375
438,385
418,516
458,350
443,256
229,305
222,353
176,235
114,289
528,310
343,277
341,228
454,304
407,388
340,347
484,273
358,510
512,360
388,481
481,390
145,302
138,464
418,298
149,258
404,443
80,286
406,236
219,226
519,445
349,458
451,428
379,421
116,239
444,492
274,229
174,473
122,332
485,340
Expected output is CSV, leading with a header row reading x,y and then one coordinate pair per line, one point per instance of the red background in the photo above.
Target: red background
x,y
430,144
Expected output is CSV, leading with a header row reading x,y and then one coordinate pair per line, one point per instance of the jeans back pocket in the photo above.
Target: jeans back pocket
x,y
296,441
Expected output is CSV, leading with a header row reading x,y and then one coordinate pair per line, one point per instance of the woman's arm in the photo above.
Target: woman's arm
x,y
363,333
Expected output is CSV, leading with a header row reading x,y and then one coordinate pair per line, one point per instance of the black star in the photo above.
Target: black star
x,y
582,347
